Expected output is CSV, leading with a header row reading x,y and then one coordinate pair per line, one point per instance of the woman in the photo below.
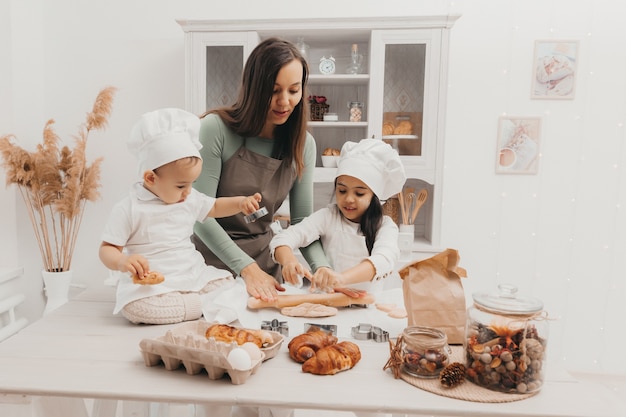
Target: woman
x,y
259,143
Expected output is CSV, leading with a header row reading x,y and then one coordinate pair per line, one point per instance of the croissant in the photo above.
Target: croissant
x,y
228,334
304,346
332,359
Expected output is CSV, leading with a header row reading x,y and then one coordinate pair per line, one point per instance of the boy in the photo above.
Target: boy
x,y
148,232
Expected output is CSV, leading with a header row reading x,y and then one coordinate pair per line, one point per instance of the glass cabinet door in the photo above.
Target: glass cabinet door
x,y
403,97
217,60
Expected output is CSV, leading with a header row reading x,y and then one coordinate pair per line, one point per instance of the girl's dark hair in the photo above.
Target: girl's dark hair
x,y
247,116
371,221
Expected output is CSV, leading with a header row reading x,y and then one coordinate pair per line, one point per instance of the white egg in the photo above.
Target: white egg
x,y
239,359
253,350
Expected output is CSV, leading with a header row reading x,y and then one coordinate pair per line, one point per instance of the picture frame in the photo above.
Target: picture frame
x,y
554,69
517,150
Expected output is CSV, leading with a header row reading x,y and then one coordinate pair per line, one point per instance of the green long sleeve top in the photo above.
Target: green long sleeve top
x,y
219,143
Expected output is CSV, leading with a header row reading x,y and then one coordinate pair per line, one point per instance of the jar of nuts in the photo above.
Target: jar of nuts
x,y
505,343
356,110
425,351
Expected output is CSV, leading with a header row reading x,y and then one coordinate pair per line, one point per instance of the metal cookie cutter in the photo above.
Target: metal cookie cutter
x,y
365,331
328,328
251,218
281,327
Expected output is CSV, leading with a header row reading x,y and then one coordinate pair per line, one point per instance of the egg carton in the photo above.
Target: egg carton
x,y
188,346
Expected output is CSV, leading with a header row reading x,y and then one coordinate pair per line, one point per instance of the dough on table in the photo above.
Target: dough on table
x,y
385,307
398,313
309,310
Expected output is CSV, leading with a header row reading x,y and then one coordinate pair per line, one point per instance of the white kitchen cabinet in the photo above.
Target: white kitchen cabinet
x,y
403,78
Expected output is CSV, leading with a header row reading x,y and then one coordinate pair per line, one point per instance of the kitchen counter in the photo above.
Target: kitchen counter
x,y
81,350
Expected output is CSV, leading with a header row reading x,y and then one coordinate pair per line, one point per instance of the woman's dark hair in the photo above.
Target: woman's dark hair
x,y
247,116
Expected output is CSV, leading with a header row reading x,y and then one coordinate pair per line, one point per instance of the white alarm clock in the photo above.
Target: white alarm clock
x,y
327,65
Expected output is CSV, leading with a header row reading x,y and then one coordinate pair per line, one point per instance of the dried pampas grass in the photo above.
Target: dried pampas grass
x,y
56,183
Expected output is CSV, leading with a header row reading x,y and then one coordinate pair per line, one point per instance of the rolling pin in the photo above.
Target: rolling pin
x,y
289,300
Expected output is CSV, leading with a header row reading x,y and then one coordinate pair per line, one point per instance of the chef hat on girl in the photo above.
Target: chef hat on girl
x,y
164,135
375,163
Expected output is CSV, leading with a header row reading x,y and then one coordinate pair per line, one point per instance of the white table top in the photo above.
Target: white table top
x,y
82,350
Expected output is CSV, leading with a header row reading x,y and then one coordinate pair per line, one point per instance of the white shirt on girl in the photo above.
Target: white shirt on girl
x,y
344,244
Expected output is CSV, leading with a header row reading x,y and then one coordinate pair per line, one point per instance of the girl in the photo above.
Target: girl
x,y
360,242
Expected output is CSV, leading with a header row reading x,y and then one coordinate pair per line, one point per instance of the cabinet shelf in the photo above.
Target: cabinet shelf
x,y
337,124
404,66
339,79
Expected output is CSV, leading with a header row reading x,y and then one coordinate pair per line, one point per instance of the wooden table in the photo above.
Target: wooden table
x,y
82,351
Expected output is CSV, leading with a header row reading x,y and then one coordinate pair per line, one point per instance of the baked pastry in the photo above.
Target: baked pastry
x,y
309,310
405,127
387,128
332,359
331,152
304,346
151,279
229,334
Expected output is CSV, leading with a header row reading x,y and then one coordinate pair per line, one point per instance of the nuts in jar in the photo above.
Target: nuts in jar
x,y
425,351
505,347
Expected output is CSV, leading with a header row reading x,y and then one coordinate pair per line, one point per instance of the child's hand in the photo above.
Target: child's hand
x,y
135,264
325,279
250,204
293,273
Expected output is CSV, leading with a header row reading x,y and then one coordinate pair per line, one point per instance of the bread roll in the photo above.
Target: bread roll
x,y
405,127
304,346
229,334
388,128
332,359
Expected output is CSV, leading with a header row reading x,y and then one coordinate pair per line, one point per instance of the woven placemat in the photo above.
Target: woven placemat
x,y
467,391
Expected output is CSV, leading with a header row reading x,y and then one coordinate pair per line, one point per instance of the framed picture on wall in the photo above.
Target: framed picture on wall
x,y
518,145
554,69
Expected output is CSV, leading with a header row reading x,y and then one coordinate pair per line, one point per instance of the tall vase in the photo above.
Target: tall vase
x,y
56,288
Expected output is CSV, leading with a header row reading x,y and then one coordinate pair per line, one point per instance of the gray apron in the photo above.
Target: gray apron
x,y
246,173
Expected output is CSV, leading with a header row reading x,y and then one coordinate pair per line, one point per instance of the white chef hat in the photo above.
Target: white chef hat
x,y
164,135
375,163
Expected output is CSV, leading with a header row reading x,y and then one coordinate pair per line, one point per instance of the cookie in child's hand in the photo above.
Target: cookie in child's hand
x,y
151,279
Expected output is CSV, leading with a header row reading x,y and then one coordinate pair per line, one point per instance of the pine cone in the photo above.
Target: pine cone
x,y
452,375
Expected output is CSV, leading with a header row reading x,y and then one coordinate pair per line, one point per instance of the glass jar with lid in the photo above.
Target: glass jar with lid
x,y
505,341
356,110
425,351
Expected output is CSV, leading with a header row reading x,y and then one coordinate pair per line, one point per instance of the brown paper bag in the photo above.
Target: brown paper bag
x,y
434,296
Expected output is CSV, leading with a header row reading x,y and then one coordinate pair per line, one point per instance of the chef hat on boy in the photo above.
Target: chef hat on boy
x,y
375,163
163,136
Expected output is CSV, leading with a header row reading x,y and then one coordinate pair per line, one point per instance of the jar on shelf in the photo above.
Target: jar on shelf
x,y
356,110
505,341
425,351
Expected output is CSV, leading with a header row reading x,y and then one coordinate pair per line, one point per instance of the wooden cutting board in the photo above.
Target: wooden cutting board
x,y
289,300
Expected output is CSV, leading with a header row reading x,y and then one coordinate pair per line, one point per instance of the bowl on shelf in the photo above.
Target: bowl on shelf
x,y
329,161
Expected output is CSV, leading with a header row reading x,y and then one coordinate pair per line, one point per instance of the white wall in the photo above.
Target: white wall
x,y
559,235
8,230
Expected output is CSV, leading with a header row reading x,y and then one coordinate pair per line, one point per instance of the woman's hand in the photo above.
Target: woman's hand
x,y
260,284
294,271
326,280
